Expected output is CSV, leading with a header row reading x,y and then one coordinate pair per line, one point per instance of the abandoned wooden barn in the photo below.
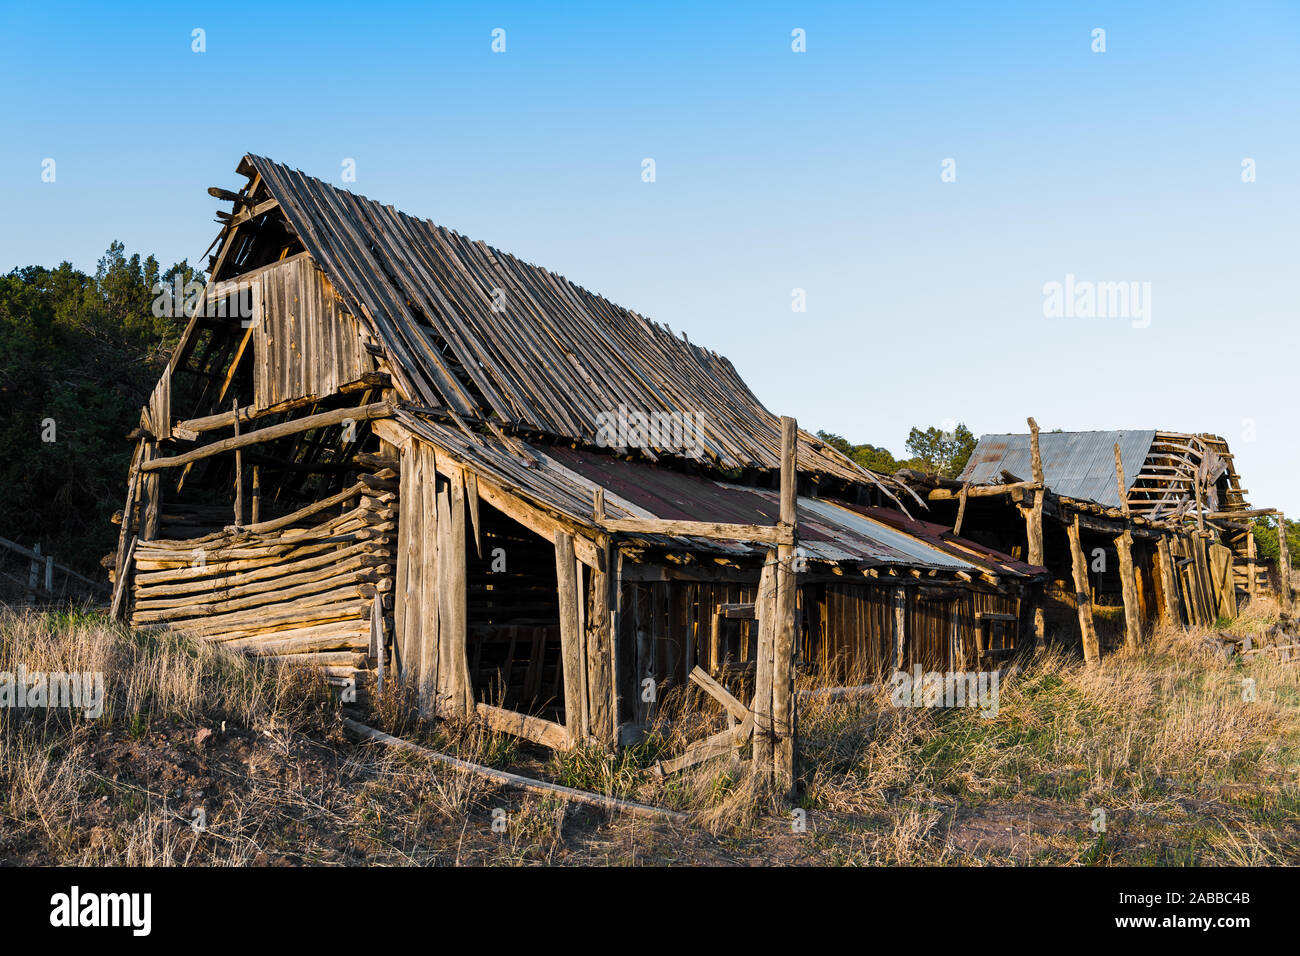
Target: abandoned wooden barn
x,y
1134,527
390,450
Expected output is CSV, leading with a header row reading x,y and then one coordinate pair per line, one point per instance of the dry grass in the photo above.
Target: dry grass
x,y
1165,742
1185,768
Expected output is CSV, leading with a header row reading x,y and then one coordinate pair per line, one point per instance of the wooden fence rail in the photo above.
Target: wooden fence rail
x,y
45,565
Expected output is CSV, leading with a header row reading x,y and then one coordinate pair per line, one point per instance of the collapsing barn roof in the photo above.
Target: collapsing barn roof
x,y
1162,469
502,364
483,337
1078,465
561,480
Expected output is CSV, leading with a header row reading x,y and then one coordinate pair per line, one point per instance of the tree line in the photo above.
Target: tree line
x,y
79,355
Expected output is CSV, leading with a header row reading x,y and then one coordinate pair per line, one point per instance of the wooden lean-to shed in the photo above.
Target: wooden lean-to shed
x,y
401,454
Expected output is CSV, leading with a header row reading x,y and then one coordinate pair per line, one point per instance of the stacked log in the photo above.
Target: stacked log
x,y
295,591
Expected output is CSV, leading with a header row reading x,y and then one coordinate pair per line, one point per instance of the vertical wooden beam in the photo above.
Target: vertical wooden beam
x,y
1035,454
584,692
956,652
1170,606
427,657
406,589
456,690
151,497
1127,579
257,495
377,641
961,508
1083,594
1034,529
1252,583
125,539
120,589
1283,564
239,471
566,573
1205,576
614,566
900,627
641,670
784,718
765,610
600,682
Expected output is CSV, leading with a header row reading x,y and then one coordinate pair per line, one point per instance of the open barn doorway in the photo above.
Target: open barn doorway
x,y
514,648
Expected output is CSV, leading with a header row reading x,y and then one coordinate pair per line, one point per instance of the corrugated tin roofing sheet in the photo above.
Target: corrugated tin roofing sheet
x,y
1075,464
564,477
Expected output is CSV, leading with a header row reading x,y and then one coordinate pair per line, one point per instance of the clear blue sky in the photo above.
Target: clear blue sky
x,y
775,170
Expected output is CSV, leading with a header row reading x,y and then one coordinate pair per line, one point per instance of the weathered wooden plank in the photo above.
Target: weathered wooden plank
x,y
539,731
307,423
570,639
784,702
1083,595
763,534
456,694
719,693
600,685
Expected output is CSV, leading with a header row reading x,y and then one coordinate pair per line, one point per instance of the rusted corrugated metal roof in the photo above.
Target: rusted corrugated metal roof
x,y
1075,464
942,536
563,480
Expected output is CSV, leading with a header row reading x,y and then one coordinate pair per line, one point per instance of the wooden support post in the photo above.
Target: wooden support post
x,y
456,690
125,539
1171,607
1083,594
150,497
900,628
765,609
1283,564
599,647
584,690
120,589
1252,582
239,472
784,718
570,640
377,642
1034,529
49,573
257,496
1127,579
423,650
1204,579
1128,585
961,508
1035,454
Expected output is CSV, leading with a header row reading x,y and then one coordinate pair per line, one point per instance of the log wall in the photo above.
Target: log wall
x,y
303,592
